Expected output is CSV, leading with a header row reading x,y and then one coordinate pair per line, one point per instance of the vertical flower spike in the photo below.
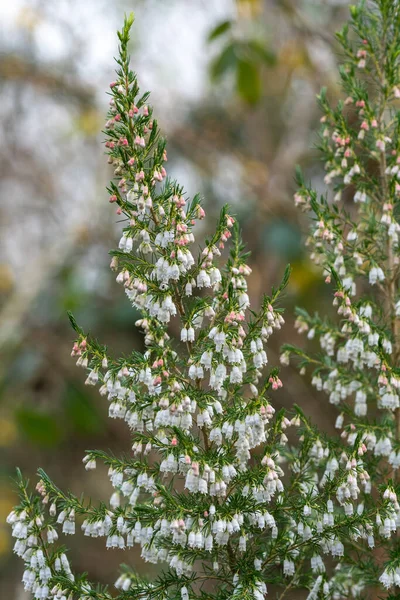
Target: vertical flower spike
x,y
355,240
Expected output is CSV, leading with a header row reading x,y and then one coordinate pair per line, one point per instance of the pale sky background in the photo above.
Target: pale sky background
x,y
168,37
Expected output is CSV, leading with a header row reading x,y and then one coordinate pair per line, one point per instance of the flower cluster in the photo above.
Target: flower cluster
x,y
355,241
202,492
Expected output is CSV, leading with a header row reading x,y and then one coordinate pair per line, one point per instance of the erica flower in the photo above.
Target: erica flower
x,y
376,274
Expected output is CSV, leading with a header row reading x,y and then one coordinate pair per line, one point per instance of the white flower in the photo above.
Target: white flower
x,y
236,375
360,196
203,279
288,568
387,579
376,274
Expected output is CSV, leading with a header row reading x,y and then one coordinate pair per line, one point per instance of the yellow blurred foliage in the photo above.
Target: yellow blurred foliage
x,y
293,55
82,234
5,542
28,18
249,8
304,276
8,432
6,278
90,121
7,501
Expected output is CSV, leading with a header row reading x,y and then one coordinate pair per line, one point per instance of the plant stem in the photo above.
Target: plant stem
x,y
292,581
391,265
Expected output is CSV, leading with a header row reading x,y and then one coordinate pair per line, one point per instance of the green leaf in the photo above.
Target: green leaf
x,y
284,239
354,11
248,81
222,63
219,30
40,428
129,19
299,176
261,52
74,324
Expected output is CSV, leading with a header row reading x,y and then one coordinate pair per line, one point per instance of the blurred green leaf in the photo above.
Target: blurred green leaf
x,y
220,29
261,52
40,428
223,62
284,239
248,81
124,316
81,411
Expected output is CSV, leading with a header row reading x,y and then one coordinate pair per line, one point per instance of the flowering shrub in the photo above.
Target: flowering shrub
x,y
213,491
355,239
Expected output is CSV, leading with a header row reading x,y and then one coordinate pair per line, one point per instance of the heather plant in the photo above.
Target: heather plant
x,y
355,241
230,497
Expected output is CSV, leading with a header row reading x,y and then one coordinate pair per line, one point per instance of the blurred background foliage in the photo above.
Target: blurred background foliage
x,y
233,84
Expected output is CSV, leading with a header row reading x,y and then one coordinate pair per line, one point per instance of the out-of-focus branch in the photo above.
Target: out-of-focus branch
x,y
18,68
302,24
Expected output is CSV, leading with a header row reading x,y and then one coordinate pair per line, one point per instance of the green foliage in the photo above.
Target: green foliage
x,y
80,411
38,427
244,58
248,81
219,30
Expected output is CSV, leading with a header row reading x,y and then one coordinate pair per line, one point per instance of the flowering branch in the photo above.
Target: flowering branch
x,y
358,249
